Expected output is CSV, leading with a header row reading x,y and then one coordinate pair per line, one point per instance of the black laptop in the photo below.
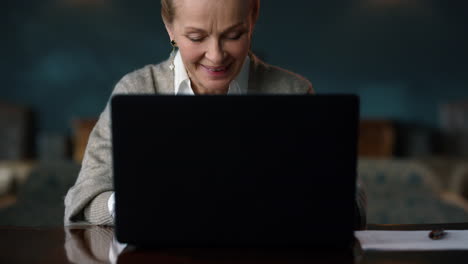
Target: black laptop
x,y
235,171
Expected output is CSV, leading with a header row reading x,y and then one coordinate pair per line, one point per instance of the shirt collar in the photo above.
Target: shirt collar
x,y
183,86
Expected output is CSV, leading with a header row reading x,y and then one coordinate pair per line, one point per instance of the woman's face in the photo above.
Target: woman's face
x,y
213,37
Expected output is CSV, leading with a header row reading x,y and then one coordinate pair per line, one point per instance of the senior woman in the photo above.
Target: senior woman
x,y
211,40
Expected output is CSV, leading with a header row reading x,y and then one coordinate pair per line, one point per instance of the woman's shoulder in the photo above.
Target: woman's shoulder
x,y
266,78
150,79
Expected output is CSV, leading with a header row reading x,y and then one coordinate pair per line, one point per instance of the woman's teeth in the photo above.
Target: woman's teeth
x,y
218,69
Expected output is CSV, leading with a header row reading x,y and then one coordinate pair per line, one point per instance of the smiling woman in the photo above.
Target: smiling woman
x,y
211,40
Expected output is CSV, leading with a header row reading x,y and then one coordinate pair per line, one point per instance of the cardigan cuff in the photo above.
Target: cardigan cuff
x,y
97,211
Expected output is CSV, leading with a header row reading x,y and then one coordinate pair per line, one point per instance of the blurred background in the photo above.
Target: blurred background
x,y
406,59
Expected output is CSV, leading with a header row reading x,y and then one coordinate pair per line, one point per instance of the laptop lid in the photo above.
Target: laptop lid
x,y
271,170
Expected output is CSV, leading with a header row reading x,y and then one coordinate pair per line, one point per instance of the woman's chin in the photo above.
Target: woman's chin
x,y
214,89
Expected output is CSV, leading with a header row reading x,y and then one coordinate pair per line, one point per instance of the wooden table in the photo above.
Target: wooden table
x,y
91,245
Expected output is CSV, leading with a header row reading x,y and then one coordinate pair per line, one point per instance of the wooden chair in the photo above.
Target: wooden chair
x,y
81,130
376,139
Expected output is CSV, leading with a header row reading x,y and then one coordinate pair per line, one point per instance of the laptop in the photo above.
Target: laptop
x,y
235,171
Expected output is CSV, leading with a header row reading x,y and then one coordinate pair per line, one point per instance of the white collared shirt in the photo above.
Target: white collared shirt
x,y
183,86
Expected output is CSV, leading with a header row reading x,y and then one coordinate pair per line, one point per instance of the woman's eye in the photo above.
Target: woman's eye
x,y
195,39
234,36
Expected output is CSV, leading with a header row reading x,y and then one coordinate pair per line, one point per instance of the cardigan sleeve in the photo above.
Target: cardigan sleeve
x,y
86,201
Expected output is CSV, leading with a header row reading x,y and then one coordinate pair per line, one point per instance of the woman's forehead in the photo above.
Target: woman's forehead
x,y
211,11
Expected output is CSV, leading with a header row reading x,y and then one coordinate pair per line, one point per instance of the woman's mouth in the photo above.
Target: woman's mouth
x,y
215,71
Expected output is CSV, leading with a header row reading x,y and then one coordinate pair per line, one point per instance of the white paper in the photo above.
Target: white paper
x,y
411,240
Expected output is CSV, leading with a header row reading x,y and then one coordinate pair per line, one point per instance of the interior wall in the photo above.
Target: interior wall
x,y
404,58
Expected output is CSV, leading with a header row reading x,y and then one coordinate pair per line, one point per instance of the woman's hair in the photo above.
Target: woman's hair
x,y
168,10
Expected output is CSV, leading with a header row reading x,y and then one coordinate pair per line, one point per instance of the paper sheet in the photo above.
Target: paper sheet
x,y
411,240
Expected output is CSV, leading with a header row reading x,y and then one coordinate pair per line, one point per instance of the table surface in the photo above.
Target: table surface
x,y
90,244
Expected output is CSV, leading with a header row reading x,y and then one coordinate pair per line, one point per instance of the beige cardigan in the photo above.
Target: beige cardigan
x,y
86,201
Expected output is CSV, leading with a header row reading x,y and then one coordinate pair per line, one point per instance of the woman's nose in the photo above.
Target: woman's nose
x,y
215,52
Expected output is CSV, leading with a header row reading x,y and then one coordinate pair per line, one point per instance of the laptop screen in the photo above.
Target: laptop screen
x,y
234,170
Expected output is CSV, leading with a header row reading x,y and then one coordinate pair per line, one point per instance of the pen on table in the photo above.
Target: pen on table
x,y
437,234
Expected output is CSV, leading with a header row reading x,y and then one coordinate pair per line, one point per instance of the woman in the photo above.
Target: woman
x,y
211,41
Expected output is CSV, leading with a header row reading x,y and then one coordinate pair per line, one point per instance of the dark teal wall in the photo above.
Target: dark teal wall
x,y
404,58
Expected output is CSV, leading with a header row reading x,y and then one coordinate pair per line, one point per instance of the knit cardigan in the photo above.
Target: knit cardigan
x,y
86,201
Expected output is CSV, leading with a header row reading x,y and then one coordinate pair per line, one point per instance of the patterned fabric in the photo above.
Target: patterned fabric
x,y
459,180
405,192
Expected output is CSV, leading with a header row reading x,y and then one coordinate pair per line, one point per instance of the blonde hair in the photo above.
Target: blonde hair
x,y
168,10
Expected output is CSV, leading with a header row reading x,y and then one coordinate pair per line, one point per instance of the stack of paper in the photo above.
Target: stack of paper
x,y
412,240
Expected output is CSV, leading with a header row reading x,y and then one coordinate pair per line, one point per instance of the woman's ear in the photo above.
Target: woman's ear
x,y
169,29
